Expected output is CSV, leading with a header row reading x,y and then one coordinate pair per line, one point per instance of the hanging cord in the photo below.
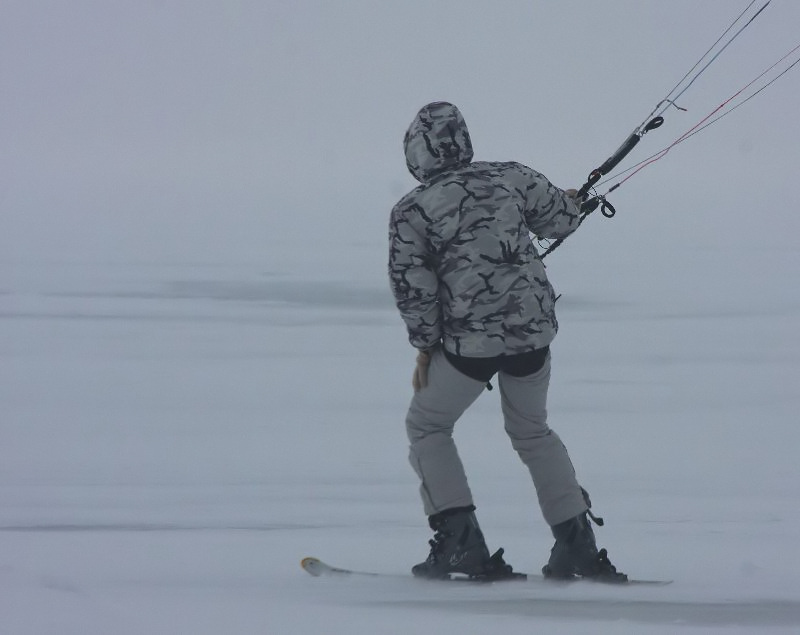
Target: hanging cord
x,y
744,101
652,123
591,203
608,209
711,48
669,100
706,121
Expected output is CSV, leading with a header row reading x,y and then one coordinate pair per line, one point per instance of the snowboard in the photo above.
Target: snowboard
x,y
318,568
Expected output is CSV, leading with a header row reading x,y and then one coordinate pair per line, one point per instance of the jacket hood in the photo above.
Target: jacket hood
x,y
437,141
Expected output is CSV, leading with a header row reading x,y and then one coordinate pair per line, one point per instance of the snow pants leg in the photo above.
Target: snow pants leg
x,y
433,455
429,423
524,403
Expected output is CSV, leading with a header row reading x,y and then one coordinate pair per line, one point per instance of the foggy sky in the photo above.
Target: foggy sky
x,y
216,131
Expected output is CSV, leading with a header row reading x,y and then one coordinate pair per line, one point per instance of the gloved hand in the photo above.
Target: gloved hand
x,y
420,378
573,194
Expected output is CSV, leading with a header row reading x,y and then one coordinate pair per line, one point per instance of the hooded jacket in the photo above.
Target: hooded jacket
x,y
462,267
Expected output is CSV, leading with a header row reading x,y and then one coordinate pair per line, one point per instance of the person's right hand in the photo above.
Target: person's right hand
x,y
420,378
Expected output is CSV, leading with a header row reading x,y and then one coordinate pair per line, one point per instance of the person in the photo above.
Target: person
x,y
476,301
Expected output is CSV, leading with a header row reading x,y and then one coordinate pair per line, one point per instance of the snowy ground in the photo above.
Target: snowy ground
x,y
175,437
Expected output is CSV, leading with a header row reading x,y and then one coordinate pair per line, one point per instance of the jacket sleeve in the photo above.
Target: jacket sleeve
x,y
412,276
548,213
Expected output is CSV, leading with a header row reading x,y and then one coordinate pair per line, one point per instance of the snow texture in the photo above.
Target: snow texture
x,y
175,437
203,378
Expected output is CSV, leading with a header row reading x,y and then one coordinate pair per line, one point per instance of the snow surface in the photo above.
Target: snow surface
x,y
176,437
202,375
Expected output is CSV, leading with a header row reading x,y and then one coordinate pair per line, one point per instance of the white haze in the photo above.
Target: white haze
x,y
203,378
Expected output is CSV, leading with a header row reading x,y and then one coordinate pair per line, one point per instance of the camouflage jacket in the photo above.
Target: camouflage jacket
x,y
463,269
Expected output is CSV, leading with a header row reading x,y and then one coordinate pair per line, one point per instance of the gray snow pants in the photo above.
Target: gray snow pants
x,y
433,455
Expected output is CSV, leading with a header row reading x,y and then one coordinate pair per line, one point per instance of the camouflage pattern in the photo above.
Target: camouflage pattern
x,y
462,267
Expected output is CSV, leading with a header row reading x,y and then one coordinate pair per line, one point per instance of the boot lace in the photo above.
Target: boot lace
x,y
437,545
607,571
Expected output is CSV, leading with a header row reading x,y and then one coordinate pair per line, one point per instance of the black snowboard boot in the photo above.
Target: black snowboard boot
x,y
458,547
575,554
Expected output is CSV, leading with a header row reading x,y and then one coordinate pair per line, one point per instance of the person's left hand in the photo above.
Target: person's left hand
x,y
420,378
